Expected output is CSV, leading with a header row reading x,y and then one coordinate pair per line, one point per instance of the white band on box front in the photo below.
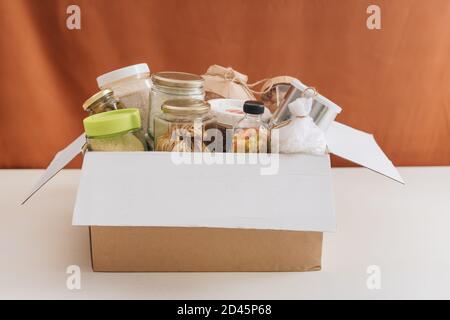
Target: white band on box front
x,y
149,189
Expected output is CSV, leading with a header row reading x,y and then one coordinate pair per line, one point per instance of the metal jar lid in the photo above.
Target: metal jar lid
x,y
180,80
106,93
186,107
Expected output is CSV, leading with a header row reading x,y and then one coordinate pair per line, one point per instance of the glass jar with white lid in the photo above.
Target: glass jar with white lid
x,y
131,85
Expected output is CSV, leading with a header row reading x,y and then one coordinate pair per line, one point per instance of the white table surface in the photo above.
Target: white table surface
x,y
404,230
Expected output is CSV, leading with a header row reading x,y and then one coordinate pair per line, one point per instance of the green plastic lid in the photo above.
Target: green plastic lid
x,y
112,122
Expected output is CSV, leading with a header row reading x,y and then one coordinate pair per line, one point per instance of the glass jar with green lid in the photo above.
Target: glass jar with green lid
x,y
102,101
170,86
118,130
182,124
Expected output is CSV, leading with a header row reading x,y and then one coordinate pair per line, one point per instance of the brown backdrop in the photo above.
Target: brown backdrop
x,y
393,82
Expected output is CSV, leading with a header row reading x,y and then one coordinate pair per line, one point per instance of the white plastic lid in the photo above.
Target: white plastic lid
x,y
319,98
119,74
230,111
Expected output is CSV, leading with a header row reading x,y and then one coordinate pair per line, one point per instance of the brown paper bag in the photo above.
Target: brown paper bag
x,y
221,82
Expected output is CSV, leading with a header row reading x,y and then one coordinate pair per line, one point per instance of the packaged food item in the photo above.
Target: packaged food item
x,y
251,133
323,111
221,82
182,124
132,86
274,90
118,130
171,86
102,101
300,134
227,113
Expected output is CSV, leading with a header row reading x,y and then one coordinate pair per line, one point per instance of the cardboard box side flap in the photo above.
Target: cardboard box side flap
x,y
361,148
61,159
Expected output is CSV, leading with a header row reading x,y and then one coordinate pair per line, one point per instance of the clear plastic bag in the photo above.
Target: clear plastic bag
x,y
300,134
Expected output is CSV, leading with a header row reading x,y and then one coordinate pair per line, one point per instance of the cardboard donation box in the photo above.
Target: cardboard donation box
x,y
204,217
155,211
170,211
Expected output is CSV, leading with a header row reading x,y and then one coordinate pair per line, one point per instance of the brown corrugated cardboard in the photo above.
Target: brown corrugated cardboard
x,y
141,249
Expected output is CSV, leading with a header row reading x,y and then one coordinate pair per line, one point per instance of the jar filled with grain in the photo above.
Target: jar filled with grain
x,y
118,130
132,86
172,86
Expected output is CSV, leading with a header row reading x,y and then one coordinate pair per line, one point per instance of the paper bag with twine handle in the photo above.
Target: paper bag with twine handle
x,y
221,82
274,90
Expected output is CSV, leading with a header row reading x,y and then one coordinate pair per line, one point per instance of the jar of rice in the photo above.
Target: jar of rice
x,y
118,130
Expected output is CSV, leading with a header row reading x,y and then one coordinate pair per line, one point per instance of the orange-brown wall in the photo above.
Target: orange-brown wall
x,y
393,82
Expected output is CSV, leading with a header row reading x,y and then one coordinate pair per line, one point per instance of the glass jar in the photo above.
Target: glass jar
x,y
172,86
182,124
102,101
251,133
118,130
227,113
132,86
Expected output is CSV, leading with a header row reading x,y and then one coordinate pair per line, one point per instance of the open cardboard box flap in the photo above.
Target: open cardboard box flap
x,y
61,159
361,148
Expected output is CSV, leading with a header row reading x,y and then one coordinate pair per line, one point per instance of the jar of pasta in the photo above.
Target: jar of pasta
x,y
172,86
118,130
182,125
